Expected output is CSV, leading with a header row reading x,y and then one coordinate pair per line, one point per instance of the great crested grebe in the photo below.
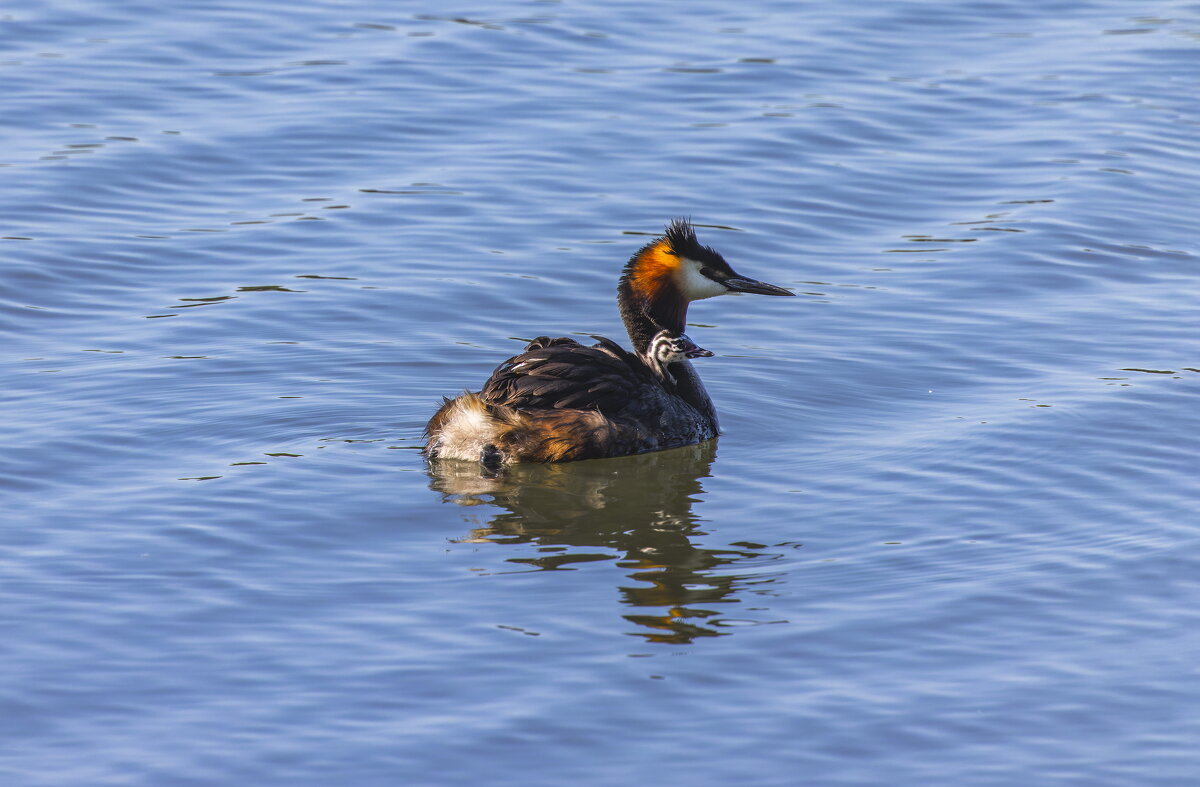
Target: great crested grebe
x,y
559,401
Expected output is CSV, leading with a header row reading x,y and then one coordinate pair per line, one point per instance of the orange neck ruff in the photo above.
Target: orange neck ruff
x,y
654,271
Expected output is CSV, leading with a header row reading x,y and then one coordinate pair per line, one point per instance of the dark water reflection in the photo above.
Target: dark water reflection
x,y
639,507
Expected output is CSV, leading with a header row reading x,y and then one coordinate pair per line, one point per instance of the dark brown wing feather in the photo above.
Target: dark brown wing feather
x,y
568,435
563,374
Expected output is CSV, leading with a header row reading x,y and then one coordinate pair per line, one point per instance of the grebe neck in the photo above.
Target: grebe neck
x,y
645,318
689,388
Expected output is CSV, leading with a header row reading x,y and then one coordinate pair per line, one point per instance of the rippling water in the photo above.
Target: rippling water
x,y
948,537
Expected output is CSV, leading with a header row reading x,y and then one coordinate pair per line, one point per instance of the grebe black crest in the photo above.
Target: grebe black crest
x,y
559,401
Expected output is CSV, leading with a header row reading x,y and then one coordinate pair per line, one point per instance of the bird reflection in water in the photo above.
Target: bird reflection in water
x,y
639,506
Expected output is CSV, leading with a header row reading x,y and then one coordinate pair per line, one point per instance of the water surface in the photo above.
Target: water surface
x,y
948,536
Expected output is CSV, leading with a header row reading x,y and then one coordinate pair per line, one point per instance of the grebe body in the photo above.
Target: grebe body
x,y
559,401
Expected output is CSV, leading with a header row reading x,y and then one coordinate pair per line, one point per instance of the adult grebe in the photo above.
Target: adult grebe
x,y
559,401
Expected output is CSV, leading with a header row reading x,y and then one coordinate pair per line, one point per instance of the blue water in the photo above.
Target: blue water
x,y
950,533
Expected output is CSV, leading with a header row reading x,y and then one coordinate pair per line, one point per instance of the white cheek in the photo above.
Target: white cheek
x,y
697,287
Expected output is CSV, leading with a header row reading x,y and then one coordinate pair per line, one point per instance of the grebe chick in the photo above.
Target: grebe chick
x,y
666,349
559,401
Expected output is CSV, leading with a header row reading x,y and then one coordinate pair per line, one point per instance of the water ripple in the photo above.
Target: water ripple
x,y
948,528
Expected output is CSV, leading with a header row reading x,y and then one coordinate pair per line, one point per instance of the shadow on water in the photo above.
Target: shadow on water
x,y
639,506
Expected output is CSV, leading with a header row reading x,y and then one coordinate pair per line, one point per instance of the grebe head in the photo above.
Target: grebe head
x,y
700,271
677,266
667,274
666,348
